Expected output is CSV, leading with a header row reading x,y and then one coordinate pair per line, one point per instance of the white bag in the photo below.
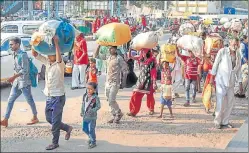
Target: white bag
x,y
236,25
186,28
48,30
145,40
224,20
227,25
193,43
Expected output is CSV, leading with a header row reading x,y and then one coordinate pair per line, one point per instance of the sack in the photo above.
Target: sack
x,y
186,28
192,43
33,71
213,44
168,53
206,99
236,25
223,20
42,41
145,40
227,25
113,34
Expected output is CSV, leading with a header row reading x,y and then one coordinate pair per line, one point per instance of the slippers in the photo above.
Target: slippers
x,y
33,121
52,147
67,136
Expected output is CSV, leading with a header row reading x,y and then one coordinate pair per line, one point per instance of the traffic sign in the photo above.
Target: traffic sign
x,y
229,10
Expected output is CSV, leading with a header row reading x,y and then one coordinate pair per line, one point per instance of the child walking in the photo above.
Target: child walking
x,y
90,106
91,73
166,88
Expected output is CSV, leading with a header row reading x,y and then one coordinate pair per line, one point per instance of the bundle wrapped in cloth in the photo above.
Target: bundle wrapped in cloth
x,y
113,34
227,25
168,53
42,41
145,40
186,28
236,25
193,43
213,43
223,20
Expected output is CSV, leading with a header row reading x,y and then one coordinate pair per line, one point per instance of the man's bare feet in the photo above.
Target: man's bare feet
x,y
160,116
171,116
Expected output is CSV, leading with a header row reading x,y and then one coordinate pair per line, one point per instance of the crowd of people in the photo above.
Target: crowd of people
x,y
223,70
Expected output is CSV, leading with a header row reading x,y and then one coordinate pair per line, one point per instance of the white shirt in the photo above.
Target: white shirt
x,y
222,68
54,77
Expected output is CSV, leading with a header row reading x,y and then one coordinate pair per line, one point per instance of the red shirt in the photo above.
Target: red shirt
x,y
92,75
94,27
166,76
126,22
105,20
191,67
80,47
98,23
144,21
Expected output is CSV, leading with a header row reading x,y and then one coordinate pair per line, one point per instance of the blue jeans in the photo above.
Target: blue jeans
x,y
89,128
187,88
15,93
53,112
204,74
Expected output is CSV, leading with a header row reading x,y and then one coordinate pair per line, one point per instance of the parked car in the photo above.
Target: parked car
x,y
7,60
20,27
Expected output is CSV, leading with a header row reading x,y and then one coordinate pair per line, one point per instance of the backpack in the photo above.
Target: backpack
x,y
33,71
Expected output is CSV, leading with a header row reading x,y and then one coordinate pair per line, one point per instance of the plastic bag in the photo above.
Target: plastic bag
x,y
186,28
192,43
213,43
145,40
113,34
168,53
42,41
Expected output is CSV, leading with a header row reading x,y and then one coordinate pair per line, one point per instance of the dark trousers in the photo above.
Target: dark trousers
x,y
53,112
89,128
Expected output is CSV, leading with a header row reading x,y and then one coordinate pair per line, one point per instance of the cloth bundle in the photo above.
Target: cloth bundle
x,y
145,40
213,43
42,41
193,43
186,28
113,34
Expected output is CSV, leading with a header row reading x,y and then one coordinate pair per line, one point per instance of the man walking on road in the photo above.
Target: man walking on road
x,y
226,68
80,63
55,92
21,82
116,73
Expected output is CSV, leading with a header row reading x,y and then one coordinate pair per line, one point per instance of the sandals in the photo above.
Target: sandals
x,y
130,114
186,104
92,145
151,113
52,147
67,136
33,121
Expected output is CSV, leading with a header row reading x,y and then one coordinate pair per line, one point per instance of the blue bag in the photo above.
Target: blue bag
x,y
33,71
66,34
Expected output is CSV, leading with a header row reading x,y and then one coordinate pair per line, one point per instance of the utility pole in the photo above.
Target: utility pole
x,y
30,9
48,5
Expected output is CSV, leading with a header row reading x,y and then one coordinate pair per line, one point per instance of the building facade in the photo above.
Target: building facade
x,y
197,7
